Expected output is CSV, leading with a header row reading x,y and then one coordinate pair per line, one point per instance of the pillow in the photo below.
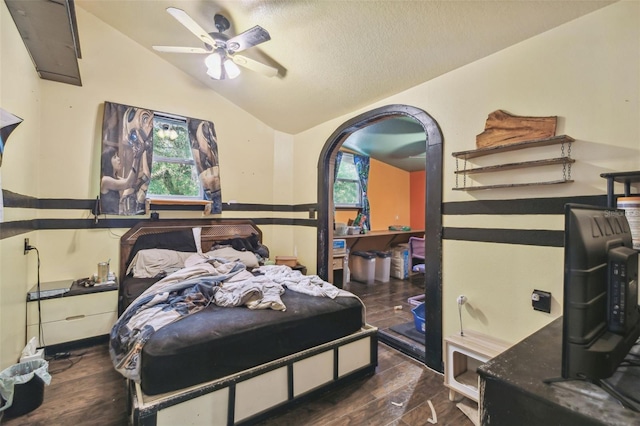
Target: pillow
x,y
151,263
174,240
229,253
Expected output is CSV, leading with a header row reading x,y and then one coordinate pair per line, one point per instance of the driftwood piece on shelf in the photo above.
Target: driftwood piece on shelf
x,y
503,128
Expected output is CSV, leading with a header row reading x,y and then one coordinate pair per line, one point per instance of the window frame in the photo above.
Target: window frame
x,y
350,157
182,121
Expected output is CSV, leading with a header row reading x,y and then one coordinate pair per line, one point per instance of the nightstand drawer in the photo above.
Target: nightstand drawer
x,y
73,328
64,308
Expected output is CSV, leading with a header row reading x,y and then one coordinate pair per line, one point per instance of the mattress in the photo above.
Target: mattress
x,y
219,341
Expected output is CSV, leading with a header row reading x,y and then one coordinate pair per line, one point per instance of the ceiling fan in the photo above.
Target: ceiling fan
x,y
222,58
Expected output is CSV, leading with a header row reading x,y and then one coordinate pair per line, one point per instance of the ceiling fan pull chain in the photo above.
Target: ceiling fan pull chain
x,y
457,173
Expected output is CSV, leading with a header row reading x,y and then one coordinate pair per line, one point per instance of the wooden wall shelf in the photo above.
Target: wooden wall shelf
x,y
474,153
512,185
522,165
564,160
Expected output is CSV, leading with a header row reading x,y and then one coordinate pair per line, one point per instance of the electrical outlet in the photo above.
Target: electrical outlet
x,y
27,247
541,301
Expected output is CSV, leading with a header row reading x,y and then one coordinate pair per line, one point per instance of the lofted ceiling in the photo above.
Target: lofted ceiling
x,y
334,56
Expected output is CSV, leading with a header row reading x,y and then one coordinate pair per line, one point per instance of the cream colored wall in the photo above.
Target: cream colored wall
x,y
55,154
591,80
19,94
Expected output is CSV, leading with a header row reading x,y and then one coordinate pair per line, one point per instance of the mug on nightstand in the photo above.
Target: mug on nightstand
x,y
103,272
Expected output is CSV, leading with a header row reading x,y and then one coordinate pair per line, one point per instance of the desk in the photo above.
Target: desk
x,y
379,240
513,391
372,240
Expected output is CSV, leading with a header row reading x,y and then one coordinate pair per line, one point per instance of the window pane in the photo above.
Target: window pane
x,y
170,138
174,172
346,188
346,193
174,179
347,168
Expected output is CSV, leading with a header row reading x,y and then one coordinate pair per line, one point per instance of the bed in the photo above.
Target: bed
x,y
233,365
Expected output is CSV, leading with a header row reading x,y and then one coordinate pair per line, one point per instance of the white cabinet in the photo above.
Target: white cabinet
x,y
464,355
79,314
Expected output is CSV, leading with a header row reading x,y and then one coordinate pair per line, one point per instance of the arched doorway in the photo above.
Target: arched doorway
x,y
433,213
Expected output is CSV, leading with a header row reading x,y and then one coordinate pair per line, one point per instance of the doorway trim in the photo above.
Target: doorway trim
x,y
433,213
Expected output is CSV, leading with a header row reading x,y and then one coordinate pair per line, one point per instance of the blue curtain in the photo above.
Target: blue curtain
x,y
338,160
362,166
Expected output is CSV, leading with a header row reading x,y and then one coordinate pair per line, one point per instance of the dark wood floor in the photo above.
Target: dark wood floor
x,y
387,303
86,390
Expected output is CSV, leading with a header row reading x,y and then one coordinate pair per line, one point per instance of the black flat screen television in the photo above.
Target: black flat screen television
x,y
601,317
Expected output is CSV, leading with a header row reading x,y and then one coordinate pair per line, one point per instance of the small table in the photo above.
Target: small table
x,y
80,313
301,268
464,354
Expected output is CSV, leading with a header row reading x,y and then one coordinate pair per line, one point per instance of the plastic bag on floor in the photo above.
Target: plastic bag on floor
x,y
19,374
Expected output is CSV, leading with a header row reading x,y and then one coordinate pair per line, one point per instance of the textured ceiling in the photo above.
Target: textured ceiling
x,y
339,56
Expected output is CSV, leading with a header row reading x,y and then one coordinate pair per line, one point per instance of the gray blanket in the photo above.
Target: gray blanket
x,y
194,287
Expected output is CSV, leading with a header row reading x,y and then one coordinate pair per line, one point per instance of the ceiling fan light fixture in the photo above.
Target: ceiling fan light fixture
x,y
214,65
230,68
220,48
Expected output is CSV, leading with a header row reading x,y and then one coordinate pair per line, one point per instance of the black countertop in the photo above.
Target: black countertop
x,y
513,391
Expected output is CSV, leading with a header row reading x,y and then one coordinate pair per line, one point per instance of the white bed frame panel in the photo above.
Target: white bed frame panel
x,y
251,395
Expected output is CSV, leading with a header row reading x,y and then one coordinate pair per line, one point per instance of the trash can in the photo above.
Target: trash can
x,y
363,266
22,387
383,266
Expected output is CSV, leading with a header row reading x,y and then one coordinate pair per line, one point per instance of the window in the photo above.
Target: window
x,y
174,174
346,188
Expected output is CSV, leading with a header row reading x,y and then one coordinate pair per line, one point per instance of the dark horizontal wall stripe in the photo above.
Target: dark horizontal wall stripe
x,y
11,199
520,206
530,237
49,224
284,221
305,207
11,229
65,204
14,200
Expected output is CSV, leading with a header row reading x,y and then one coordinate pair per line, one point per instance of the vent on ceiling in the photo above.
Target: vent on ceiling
x,y
50,33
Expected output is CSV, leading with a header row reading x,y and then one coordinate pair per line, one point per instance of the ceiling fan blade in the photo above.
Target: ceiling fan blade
x,y
247,39
253,65
178,49
191,25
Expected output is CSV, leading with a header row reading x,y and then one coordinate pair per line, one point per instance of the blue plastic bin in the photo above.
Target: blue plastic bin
x,y
418,317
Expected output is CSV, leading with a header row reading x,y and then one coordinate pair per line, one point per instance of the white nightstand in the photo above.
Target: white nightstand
x,y
78,314
464,356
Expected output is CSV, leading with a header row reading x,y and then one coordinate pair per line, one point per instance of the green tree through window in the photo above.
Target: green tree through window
x,y
174,173
346,188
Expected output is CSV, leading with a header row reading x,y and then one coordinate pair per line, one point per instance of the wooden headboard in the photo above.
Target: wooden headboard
x,y
212,230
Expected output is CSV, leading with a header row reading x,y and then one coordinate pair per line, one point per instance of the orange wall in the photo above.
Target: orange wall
x,y
392,193
418,191
343,215
389,196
